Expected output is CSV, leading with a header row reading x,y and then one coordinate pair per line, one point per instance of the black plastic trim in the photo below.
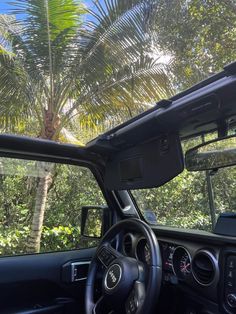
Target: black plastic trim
x,y
193,235
41,266
154,122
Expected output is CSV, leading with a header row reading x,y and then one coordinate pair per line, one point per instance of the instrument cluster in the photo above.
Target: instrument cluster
x,y
178,264
176,259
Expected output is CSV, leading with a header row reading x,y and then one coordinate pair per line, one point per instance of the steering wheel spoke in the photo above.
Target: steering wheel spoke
x,y
100,305
106,254
135,298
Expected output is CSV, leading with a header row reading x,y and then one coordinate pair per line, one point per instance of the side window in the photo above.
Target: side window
x,y
40,206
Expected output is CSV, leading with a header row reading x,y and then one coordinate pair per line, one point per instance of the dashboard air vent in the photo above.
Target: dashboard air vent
x,y
204,267
128,244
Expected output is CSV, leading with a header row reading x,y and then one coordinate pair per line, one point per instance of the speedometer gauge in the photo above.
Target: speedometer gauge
x,y
181,262
185,264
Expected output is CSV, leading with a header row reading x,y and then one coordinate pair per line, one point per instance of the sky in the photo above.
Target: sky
x,y
4,7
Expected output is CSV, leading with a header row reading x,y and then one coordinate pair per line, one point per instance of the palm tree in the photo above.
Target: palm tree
x,y
59,61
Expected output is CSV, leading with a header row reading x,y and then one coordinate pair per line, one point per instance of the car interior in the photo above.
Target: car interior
x,y
133,264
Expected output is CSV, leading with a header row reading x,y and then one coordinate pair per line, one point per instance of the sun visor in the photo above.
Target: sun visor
x,y
146,165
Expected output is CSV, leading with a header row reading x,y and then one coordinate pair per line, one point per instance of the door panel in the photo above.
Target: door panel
x,y
38,283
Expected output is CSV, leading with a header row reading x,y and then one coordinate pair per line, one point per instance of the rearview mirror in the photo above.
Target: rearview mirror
x,y
215,154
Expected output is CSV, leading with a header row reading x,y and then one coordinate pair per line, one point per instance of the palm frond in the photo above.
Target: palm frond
x,y
125,93
13,91
113,57
67,137
48,24
13,44
120,34
102,68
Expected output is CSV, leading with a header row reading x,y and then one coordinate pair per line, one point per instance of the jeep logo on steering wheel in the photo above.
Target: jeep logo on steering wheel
x,y
113,276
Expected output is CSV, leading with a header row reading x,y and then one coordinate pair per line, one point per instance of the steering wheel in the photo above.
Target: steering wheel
x,y
128,285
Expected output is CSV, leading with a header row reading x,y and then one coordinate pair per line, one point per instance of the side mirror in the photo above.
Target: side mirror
x,y
95,221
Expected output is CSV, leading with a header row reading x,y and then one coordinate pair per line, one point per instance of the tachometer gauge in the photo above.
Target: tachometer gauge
x,y
143,251
181,262
147,254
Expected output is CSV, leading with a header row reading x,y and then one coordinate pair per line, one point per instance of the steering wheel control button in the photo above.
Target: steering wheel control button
x,y
132,304
230,284
231,264
231,299
106,257
113,277
230,274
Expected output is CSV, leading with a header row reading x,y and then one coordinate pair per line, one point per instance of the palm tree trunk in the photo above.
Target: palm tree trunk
x,y
51,124
34,239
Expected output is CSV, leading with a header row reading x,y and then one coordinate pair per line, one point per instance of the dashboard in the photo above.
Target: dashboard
x,y
204,272
179,262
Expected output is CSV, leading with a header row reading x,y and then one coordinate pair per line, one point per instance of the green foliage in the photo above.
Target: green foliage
x,y
60,238
182,202
72,188
199,35
12,240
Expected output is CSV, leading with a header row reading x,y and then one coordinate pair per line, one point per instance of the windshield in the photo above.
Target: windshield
x,y
192,200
